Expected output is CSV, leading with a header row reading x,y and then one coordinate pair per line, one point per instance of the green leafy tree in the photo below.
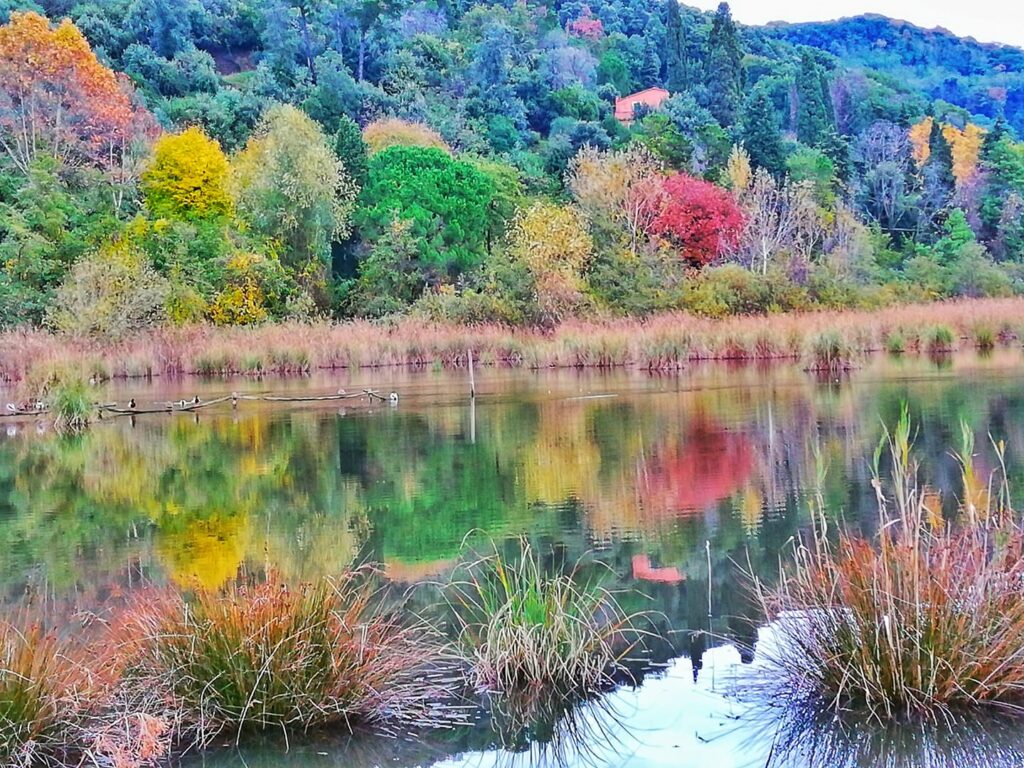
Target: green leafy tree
x,y
814,116
762,134
293,190
351,150
446,200
724,67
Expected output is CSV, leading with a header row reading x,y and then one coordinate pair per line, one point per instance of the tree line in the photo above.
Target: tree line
x,y
240,162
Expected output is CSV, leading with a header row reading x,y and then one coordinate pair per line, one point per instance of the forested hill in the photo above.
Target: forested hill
x,y
518,161
962,71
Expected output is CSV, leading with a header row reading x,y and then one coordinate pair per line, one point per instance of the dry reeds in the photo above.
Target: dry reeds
x,y
661,342
44,694
924,621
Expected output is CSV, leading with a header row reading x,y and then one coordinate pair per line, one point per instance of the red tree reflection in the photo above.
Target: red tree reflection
x,y
709,464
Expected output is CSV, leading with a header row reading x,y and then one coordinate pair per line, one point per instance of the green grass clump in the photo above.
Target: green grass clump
x,y
72,404
267,656
519,626
984,338
895,344
829,351
939,339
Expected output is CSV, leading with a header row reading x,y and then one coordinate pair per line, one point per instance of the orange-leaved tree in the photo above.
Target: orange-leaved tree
x,y
57,99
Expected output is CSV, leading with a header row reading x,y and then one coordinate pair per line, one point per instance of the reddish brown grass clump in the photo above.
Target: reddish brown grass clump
x,y
268,656
925,621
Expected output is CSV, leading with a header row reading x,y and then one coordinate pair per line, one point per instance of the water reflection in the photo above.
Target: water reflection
x,y
670,482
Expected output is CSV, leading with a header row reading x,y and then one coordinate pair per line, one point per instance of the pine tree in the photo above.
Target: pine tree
x,y
814,117
762,134
724,68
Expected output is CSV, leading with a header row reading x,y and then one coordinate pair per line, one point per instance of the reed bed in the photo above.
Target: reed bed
x,y
519,627
920,624
265,656
661,342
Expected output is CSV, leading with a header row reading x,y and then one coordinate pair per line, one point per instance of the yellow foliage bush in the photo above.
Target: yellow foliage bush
x,y
187,177
241,302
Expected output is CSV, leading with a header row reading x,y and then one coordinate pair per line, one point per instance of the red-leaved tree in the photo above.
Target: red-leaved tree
x,y
700,218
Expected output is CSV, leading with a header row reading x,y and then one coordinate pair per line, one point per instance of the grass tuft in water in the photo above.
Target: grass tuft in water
x,y
922,622
895,344
829,351
984,337
519,626
267,656
939,339
72,404
43,687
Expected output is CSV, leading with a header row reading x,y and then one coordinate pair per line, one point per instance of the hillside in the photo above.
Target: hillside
x,y
167,162
972,75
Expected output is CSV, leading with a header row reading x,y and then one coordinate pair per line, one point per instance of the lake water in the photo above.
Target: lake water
x,y
674,482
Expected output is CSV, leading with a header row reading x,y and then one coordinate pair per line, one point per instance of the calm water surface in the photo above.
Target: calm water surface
x,y
670,481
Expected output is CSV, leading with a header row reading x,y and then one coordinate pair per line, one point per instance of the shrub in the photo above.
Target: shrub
x,y
520,627
269,656
923,621
110,295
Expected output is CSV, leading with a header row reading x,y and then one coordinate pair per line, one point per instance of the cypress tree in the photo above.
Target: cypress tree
x,y
650,71
675,75
814,116
724,68
682,50
351,150
940,159
761,133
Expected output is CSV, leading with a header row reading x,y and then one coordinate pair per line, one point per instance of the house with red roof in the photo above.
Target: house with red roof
x,y
650,97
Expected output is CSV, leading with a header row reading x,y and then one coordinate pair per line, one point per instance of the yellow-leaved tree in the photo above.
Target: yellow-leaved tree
x,y
553,242
919,133
966,148
187,177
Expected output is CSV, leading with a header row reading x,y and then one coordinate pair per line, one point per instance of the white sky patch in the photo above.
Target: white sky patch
x,y
988,21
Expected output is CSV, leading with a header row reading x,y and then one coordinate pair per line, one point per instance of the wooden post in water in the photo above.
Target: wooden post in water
x,y
472,379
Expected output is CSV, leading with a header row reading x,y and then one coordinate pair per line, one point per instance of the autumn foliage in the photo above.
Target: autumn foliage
x,y
57,98
702,219
394,132
187,177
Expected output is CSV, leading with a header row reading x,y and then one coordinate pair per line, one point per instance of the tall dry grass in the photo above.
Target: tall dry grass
x,y
662,342
924,621
266,656
45,694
